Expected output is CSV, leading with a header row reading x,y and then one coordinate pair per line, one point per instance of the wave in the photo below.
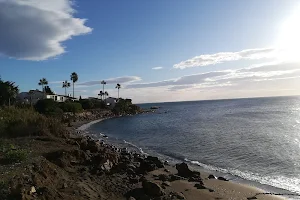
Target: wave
x,y
133,145
287,183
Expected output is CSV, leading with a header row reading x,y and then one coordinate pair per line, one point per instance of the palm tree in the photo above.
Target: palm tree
x,y
30,95
118,86
43,82
74,78
103,83
66,85
101,94
106,95
8,92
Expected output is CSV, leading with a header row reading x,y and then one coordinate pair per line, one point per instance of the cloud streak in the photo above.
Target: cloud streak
x,y
157,68
121,80
35,30
226,77
212,59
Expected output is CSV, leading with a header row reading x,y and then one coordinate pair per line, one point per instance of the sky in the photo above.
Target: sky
x,y
159,51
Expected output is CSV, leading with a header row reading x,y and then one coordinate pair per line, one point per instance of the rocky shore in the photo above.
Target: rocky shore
x,y
78,167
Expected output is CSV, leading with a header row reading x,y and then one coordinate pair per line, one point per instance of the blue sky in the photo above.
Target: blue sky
x,y
122,41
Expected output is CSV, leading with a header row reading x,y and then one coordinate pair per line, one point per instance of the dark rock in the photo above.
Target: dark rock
x,y
163,177
177,195
210,190
195,179
156,161
175,177
166,183
65,185
211,176
222,179
199,186
152,189
131,198
184,171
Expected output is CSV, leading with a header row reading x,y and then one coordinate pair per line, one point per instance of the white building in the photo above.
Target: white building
x,y
111,102
34,96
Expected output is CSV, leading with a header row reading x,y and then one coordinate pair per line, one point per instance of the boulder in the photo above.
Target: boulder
x,y
152,189
107,165
163,177
184,171
166,183
211,177
199,186
175,177
155,160
177,195
222,179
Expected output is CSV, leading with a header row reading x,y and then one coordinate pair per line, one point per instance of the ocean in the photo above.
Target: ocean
x,y
254,141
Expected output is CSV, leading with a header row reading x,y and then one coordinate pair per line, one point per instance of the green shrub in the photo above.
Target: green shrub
x,y
16,122
86,104
46,106
11,153
91,104
125,106
13,156
70,107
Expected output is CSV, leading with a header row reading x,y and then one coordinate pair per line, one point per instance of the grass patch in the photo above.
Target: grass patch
x,y
10,153
17,122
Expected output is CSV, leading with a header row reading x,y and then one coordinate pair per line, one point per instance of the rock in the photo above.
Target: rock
x,y
177,195
107,166
131,198
152,189
175,177
163,177
222,179
199,186
155,160
195,179
65,185
32,190
147,166
184,171
166,170
211,177
166,183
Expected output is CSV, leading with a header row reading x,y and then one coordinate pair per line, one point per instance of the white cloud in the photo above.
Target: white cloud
x,y
121,80
226,77
212,59
157,68
35,29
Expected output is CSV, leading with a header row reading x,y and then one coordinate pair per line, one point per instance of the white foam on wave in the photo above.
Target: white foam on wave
x,y
287,183
133,145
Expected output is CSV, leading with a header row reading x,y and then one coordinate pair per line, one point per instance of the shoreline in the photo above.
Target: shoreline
x,y
236,186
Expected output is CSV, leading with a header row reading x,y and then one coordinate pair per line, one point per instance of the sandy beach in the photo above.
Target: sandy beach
x,y
214,188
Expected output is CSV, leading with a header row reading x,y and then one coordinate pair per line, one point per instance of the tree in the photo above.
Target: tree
x,y
105,96
101,94
8,92
48,90
103,83
74,79
43,82
118,86
66,85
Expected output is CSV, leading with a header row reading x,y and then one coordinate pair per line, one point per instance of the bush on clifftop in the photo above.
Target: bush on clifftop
x,y
16,122
125,106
